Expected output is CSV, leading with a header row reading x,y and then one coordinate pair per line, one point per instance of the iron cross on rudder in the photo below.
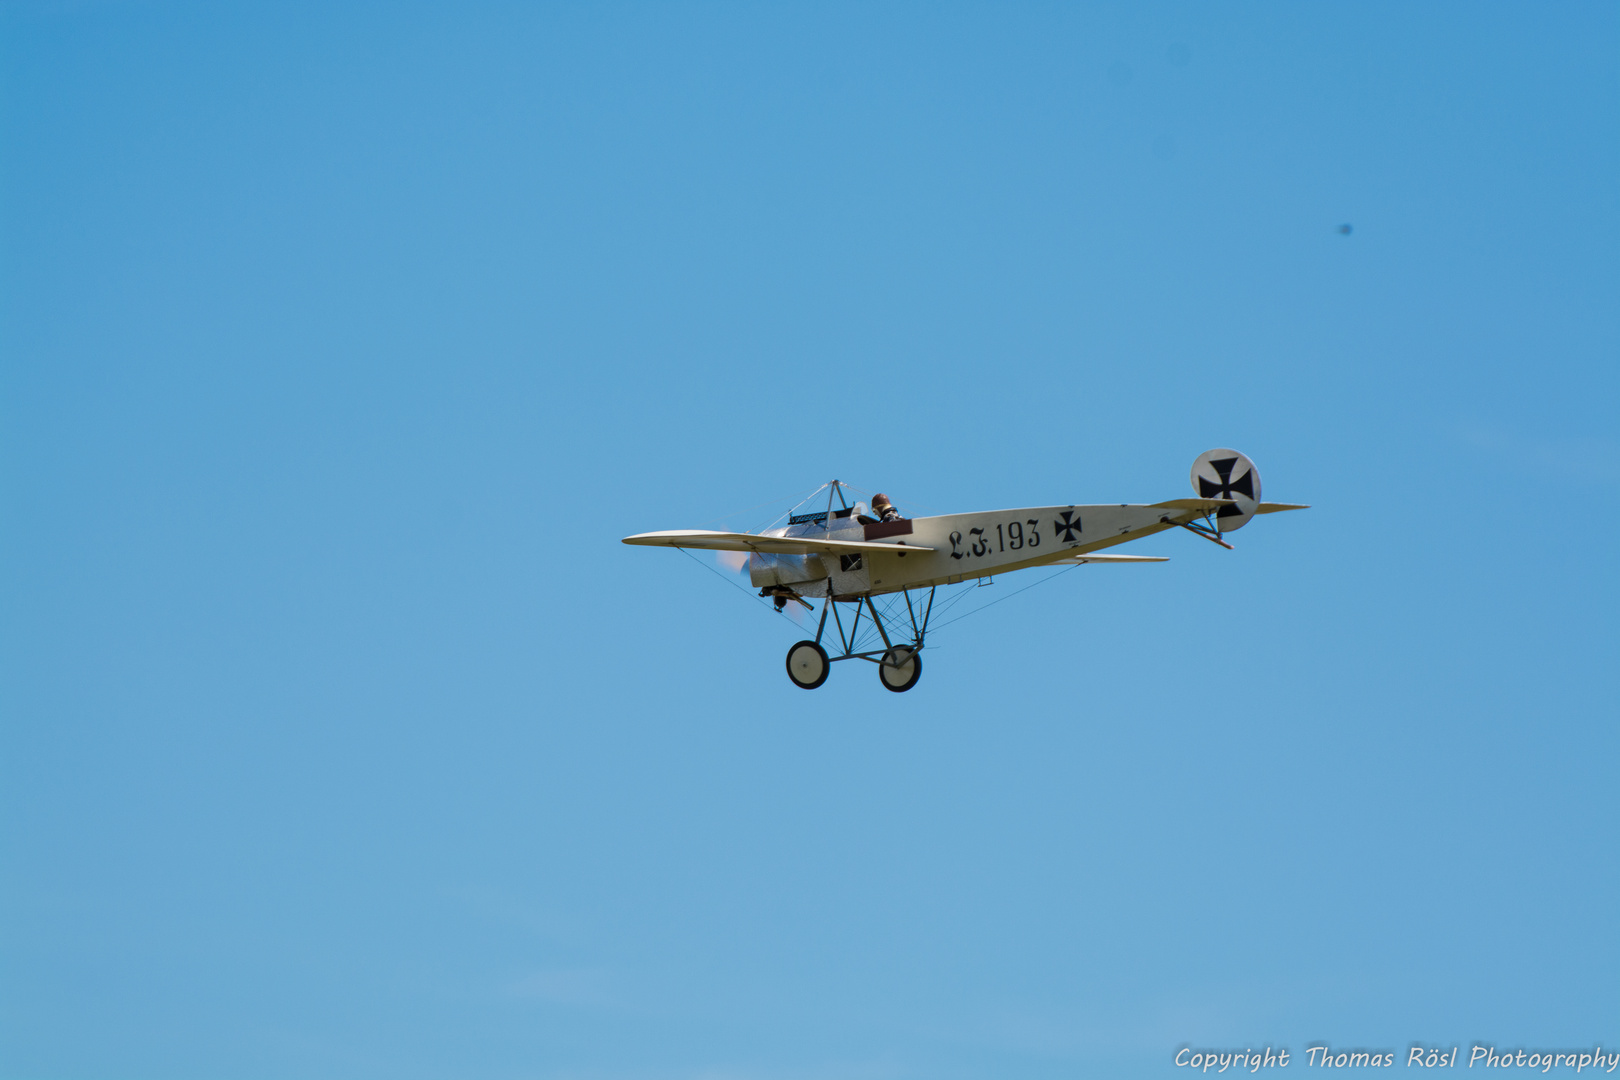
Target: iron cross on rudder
x,y
1243,485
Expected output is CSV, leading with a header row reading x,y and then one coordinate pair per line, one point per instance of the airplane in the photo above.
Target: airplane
x,y
850,553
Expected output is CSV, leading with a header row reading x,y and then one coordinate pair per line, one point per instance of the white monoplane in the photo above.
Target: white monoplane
x,y
847,554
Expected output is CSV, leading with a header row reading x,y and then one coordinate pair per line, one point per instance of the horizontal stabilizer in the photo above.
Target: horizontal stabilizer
x,y
1194,504
766,545
1076,560
1216,504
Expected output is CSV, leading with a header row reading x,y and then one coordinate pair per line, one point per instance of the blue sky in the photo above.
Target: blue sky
x,y
342,343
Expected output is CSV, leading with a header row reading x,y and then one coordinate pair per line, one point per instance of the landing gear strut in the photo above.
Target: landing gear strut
x,y
899,665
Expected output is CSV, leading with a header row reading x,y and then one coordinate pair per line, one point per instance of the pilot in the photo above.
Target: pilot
x,y
883,508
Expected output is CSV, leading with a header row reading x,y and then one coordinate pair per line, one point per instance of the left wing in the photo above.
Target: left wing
x,y
768,545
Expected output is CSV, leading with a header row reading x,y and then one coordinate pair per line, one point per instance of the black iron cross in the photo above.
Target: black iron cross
x,y
1066,527
1243,485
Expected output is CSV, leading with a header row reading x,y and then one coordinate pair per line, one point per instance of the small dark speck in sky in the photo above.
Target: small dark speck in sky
x,y
1344,230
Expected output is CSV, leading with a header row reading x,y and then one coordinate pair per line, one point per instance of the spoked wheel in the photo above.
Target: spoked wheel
x,y
900,669
807,665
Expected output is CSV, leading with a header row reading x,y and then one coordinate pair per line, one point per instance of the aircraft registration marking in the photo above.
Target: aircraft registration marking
x,y
1010,536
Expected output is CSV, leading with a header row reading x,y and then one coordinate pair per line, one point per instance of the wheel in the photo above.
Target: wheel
x,y
807,665
900,669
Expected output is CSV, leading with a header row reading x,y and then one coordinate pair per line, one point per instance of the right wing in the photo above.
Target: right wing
x,y
767,545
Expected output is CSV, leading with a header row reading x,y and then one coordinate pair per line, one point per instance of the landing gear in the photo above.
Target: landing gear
x,y
900,669
899,665
807,665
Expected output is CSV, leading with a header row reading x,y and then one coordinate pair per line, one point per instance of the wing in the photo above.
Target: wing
x,y
768,545
1272,508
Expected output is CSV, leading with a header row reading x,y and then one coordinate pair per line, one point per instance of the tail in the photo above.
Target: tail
x,y
1228,474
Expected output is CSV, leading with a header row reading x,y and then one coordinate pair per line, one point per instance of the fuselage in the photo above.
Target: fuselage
x,y
965,546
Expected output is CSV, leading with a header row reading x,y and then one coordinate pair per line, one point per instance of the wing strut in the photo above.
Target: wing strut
x,y
1209,530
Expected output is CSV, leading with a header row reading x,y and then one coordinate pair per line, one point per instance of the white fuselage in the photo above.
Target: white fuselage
x,y
965,546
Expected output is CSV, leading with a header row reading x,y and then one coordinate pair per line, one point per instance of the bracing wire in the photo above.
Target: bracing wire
x,y
1009,596
723,577
758,506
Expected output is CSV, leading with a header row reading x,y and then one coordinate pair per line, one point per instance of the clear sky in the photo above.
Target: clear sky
x,y
342,738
